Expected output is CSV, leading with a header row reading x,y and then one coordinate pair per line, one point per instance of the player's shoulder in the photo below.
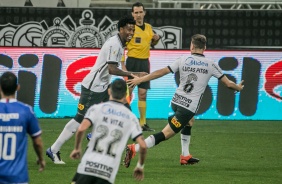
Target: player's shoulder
x,y
113,41
210,60
25,106
148,26
184,57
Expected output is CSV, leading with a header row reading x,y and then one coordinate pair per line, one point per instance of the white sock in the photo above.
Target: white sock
x,y
65,135
150,142
185,143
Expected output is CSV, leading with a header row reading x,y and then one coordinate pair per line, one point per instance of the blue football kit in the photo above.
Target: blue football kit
x,y
16,121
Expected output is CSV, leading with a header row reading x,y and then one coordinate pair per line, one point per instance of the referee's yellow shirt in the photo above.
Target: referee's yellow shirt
x,y
139,45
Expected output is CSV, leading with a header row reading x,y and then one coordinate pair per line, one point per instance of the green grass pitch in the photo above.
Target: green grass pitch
x,y
229,152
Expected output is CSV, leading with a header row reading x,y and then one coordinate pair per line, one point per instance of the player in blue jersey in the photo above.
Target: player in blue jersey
x,y
16,120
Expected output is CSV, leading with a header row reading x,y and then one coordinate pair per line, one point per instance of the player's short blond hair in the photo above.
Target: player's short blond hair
x,y
199,41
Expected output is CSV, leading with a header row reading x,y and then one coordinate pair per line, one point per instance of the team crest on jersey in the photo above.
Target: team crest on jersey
x,y
87,35
80,106
56,36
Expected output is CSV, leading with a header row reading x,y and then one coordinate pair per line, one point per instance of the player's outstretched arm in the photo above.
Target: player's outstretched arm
x,y
139,169
156,74
230,84
114,70
38,148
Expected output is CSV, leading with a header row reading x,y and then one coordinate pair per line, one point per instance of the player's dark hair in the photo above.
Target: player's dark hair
x,y
124,21
137,4
199,41
8,83
118,88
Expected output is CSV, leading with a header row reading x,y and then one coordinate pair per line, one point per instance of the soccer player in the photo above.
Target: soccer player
x,y
95,84
113,124
185,137
138,56
195,72
16,120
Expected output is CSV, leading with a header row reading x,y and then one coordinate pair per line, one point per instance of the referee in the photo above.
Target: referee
x,y
138,57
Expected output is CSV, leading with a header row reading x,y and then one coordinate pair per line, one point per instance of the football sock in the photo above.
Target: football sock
x,y
185,140
159,137
65,135
128,95
142,112
150,142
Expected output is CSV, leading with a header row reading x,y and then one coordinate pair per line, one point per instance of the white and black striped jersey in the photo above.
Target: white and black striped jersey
x,y
195,72
99,78
113,124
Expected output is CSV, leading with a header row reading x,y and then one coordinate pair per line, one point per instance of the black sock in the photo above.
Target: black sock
x,y
159,137
186,130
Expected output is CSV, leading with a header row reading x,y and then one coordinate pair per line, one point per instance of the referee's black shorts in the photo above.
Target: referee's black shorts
x,y
138,65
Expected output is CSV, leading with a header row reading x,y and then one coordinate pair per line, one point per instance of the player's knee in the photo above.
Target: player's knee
x,y
191,122
142,97
72,125
186,130
142,94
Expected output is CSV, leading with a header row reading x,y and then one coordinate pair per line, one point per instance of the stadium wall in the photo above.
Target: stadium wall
x,y
51,50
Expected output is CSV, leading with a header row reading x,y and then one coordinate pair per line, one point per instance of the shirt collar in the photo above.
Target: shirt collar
x,y
8,100
115,101
197,54
122,43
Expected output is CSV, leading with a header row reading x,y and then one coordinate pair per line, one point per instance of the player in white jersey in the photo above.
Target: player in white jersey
x,y
195,73
16,121
95,84
113,124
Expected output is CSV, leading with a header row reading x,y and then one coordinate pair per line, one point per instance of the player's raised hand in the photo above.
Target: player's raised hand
x,y
133,82
241,85
75,154
138,174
